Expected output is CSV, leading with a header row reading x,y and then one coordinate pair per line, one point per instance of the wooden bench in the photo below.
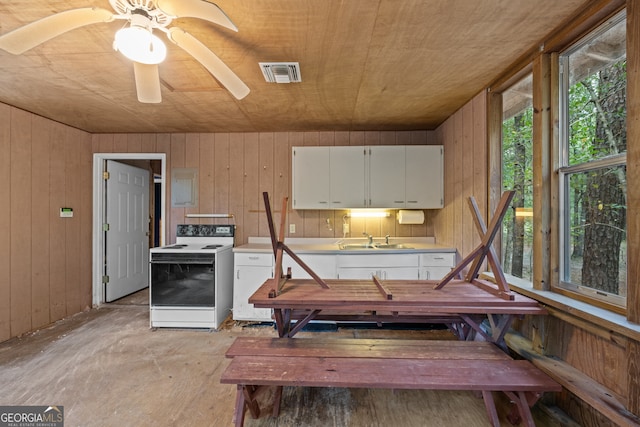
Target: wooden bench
x,y
380,363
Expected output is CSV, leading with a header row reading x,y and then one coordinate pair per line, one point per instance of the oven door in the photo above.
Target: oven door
x,y
182,283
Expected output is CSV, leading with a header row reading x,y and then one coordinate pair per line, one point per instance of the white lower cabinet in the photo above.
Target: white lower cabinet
x,y
251,269
323,265
434,266
250,272
385,266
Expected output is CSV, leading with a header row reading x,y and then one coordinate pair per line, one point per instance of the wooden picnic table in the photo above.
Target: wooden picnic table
x,y
461,303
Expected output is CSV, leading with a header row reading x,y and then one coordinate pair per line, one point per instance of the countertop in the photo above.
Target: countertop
x,y
331,245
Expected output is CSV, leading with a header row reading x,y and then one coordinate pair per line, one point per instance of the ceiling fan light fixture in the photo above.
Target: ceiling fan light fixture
x,y
139,44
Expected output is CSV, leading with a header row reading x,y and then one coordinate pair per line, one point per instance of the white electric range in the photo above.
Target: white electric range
x,y
191,281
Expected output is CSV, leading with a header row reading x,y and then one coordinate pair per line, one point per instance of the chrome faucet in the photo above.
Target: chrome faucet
x,y
386,239
369,236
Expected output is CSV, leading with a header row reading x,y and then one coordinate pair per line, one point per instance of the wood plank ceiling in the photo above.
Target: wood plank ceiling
x,y
365,64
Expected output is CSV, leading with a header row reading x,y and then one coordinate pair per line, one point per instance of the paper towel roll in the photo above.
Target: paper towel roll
x,y
410,217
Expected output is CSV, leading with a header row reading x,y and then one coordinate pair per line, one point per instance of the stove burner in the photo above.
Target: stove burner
x,y
211,247
174,247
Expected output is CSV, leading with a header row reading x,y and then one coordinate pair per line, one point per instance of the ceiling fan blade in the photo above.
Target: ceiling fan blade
x,y
31,35
147,83
196,9
210,61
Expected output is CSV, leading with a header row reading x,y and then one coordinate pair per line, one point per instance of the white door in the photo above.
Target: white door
x,y
127,233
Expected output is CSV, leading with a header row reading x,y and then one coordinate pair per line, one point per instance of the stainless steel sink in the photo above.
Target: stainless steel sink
x,y
392,246
373,246
356,246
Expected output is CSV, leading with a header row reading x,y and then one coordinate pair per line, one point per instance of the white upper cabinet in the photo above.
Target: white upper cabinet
x,y
382,176
386,176
328,177
311,182
424,173
347,177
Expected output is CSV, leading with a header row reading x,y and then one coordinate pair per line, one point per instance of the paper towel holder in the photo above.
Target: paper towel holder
x,y
410,216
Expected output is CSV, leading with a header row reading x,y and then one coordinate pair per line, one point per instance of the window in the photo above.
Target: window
x,y
517,174
593,165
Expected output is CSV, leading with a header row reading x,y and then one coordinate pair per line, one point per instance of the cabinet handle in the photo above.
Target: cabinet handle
x,y
412,201
398,201
323,202
238,274
438,257
254,258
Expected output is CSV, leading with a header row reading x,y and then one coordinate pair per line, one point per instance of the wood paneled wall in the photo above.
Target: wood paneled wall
x,y
464,136
236,168
45,260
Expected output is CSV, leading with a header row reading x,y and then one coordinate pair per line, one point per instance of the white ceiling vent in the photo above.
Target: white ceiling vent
x,y
281,72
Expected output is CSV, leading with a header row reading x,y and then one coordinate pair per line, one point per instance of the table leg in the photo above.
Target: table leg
x,y
277,314
301,323
283,321
499,330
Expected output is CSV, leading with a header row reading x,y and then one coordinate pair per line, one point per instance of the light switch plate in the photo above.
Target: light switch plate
x,y
292,228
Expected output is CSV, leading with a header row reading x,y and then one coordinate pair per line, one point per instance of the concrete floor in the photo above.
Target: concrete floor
x,y
108,368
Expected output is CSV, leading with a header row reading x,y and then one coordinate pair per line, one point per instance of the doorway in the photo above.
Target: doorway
x,y
99,212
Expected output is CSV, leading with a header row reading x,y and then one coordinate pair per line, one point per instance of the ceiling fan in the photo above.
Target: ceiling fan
x,y
136,40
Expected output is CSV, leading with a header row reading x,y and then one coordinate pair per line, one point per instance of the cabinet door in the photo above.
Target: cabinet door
x,y
246,280
388,273
378,261
387,176
400,273
385,266
311,184
323,265
424,187
434,273
358,273
435,265
347,177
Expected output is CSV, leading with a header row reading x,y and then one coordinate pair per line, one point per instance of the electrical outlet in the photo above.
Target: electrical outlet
x,y
292,228
345,228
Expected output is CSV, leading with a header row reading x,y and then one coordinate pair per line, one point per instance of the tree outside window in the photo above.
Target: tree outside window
x,y
593,165
517,175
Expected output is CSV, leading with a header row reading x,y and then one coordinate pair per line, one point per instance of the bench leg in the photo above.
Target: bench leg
x,y
490,406
523,404
245,398
249,392
277,398
238,414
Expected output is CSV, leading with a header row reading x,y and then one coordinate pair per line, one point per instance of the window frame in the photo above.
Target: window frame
x,y
565,170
